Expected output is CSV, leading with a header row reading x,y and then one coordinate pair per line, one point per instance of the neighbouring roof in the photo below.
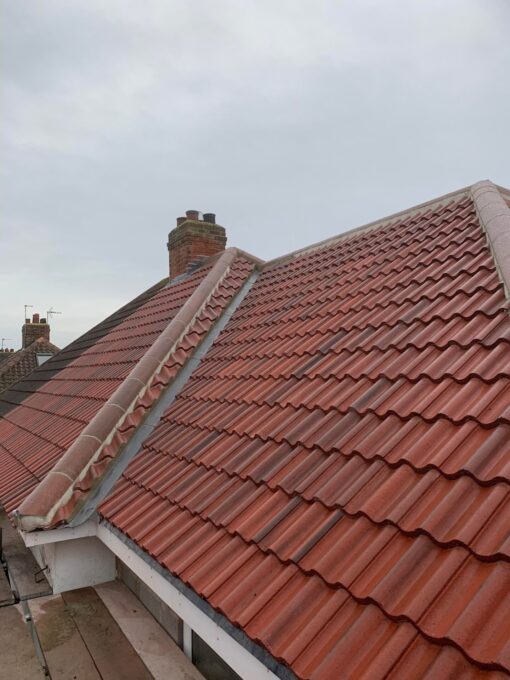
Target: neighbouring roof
x,y
19,364
334,477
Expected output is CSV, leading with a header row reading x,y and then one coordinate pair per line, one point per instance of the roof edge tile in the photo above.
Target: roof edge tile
x,y
370,226
494,216
38,510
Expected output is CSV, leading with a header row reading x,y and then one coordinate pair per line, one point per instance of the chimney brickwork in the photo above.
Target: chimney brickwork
x,y
34,329
5,353
194,239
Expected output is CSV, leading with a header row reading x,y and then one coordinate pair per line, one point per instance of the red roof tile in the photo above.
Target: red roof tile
x,y
335,476
64,395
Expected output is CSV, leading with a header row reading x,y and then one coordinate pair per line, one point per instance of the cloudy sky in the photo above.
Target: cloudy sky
x,y
293,120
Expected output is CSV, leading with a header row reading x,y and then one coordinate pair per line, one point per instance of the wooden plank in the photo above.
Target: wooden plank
x,y
6,595
113,655
64,650
17,652
21,564
158,651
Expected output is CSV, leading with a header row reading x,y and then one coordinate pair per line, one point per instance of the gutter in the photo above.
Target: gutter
x,y
38,510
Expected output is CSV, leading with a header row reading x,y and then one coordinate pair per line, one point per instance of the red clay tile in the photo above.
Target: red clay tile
x,y
335,476
350,428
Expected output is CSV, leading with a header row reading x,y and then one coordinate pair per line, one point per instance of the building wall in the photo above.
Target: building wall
x,y
159,610
203,657
87,561
76,563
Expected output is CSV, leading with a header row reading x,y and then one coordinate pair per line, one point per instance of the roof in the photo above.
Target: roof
x,y
21,363
334,477
74,407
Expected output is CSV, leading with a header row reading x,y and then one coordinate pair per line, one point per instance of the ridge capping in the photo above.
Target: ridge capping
x,y
494,216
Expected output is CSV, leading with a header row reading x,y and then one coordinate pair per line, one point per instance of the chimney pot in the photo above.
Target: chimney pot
x,y
180,220
35,329
210,218
192,215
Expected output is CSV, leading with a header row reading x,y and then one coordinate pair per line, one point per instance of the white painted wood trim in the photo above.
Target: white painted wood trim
x,y
187,641
235,655
32,538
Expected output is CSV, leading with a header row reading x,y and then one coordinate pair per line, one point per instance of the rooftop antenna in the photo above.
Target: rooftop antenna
x,y
4,340
51,312
26,307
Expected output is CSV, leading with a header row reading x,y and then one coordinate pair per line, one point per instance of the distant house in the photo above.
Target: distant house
x,y
301,466
36,349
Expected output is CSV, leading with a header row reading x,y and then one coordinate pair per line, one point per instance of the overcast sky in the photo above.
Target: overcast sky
x,y
292,120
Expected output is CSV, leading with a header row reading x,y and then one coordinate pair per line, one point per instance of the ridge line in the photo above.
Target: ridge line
x,y
494,216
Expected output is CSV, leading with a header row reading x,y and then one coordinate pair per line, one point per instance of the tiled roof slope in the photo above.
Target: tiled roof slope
x,y
24,361
335,477
45,415
33,438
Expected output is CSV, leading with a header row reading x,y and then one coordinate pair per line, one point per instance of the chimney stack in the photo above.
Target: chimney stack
x,y
194,239
35,329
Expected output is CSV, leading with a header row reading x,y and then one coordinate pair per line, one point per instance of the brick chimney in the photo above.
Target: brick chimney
x,y
194,239
35,329
5,353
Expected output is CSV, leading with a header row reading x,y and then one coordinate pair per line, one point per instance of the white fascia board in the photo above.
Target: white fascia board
x,y
32,538
235,655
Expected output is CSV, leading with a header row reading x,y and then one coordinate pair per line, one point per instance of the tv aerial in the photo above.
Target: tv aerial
x,y
51,312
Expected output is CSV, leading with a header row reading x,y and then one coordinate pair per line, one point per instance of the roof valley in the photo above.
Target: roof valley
x,y
49,502
154,414
322,453
228,462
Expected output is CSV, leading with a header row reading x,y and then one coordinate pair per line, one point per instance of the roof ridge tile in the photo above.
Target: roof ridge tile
x,y
494,216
